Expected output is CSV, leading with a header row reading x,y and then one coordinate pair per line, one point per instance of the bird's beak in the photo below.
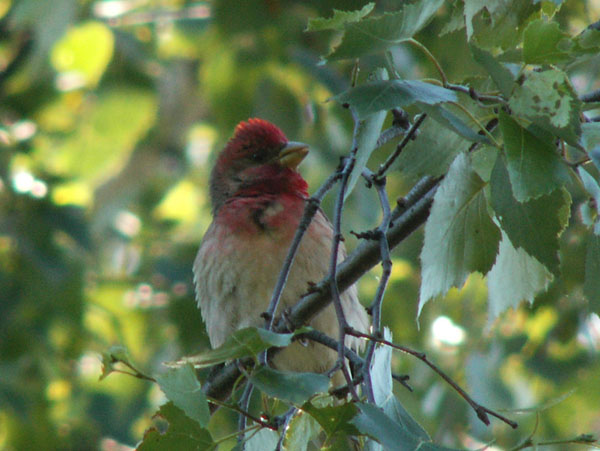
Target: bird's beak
x,y
292,154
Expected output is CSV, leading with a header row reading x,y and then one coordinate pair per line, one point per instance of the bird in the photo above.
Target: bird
x,y
258,198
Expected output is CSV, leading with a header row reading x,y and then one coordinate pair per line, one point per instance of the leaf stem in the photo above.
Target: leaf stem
x,y
430,57
479,125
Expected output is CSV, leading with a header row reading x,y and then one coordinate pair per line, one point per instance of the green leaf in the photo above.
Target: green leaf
x,y
591,285
516,276
115,354
373,422
246,342
497,23
181,386
432,153
585,43
483,160
535,225
369,129
381,379
545,43
460,236
472,7
296,388
339,19
183,433
334,419
501,76
456,20
263,440
376,34
376,96
301,430
85,52
547,99
451,121
534,165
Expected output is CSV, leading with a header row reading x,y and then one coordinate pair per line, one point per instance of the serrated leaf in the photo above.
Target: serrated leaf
x,y
432,153
375,34
548,100
339,19
591,284
367,133
183,433
376,96
497,23
586,43
471,8
460,236
246,342
515,277
501,76
296,388
545,43
534,165
181,386
534,225
455,22
334,419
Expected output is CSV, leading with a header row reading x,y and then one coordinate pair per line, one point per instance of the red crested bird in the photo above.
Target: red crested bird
x,y
258,199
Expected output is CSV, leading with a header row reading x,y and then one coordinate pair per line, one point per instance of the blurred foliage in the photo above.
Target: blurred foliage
x,y
110,114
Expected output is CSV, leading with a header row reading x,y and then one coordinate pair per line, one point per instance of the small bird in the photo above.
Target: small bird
x,y
258,199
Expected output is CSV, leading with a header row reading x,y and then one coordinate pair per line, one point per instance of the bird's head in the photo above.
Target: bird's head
x,y
257,160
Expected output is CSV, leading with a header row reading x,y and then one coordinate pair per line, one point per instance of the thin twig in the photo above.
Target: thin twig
x,y
287,418
593,96
480,410
244,404
311,208
386,265
238,409
474,94
409,135
347,166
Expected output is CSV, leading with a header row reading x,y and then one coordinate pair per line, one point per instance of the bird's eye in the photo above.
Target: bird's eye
x,y
258,157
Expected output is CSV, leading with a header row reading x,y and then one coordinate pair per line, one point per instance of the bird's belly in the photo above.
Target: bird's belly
x,y
236,276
